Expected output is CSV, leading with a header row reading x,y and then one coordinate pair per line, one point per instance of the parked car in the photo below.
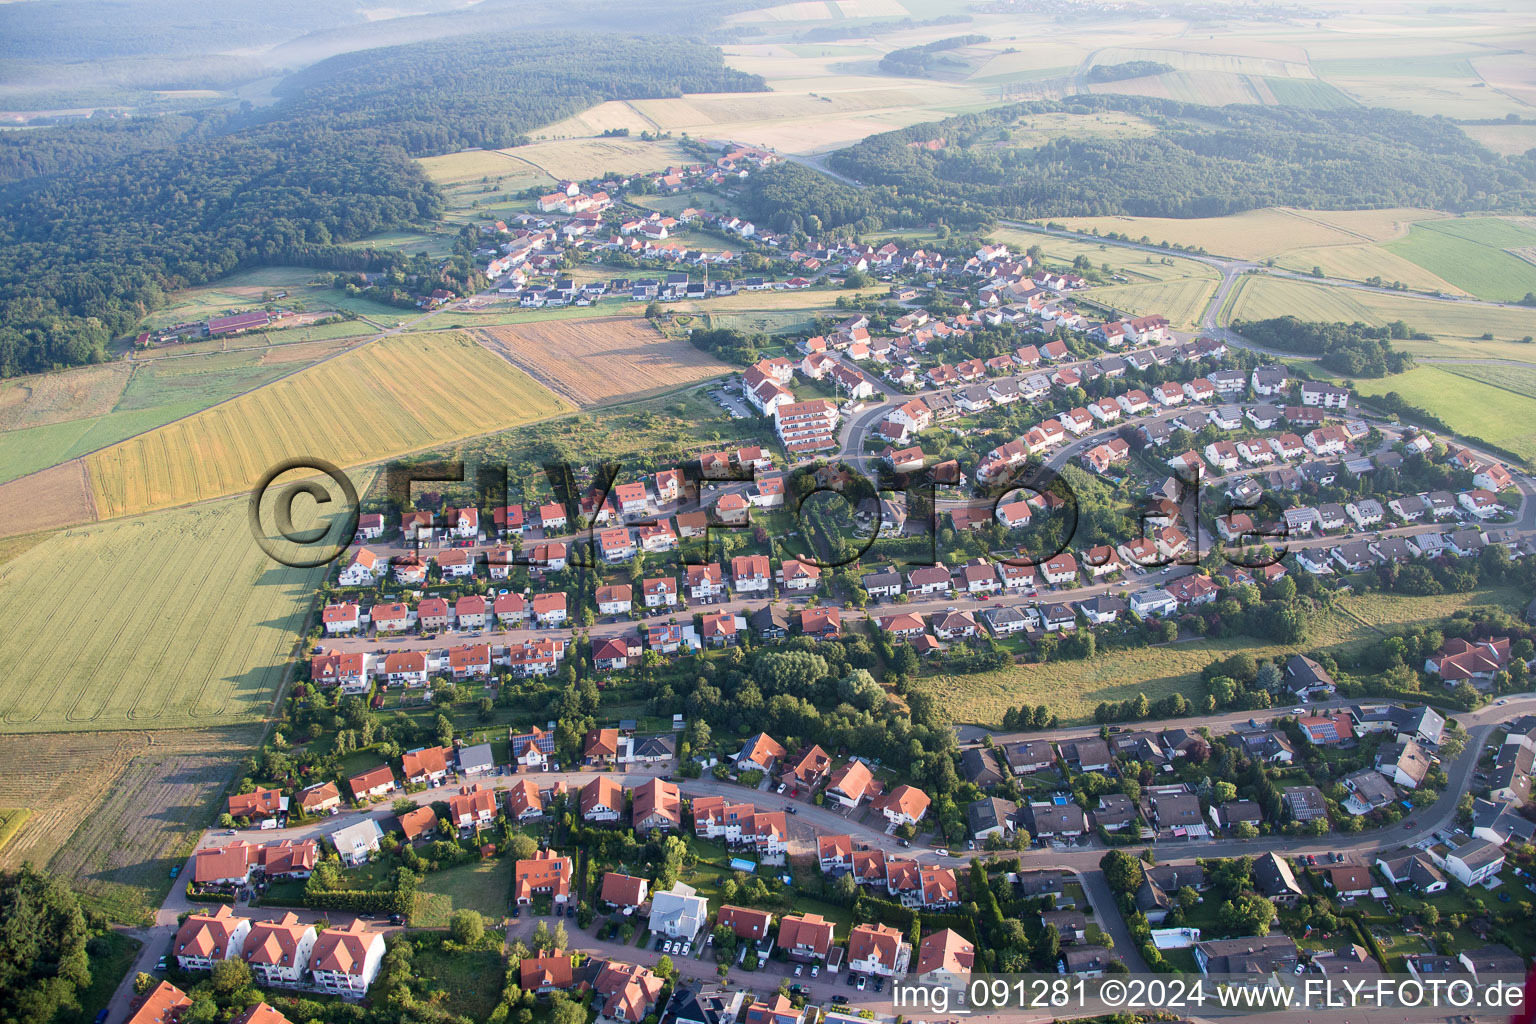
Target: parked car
x,y
862,981
799,969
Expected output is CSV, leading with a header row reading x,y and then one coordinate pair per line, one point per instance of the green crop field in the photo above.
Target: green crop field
x,y
1307,92
1074,688
1471,407
164,621
1471,254
1519,379
11,820
481,886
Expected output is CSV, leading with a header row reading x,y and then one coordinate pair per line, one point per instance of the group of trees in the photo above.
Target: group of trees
x,y
44,963
923,60
1203,162
1356,350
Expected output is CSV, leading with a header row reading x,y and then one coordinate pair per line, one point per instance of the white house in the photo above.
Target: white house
x,y
679,912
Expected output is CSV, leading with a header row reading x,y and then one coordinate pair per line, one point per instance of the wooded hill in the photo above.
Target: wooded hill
x,y
1202,162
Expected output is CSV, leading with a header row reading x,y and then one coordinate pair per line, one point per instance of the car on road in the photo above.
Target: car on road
x,y
781,789
839,999
942,852
906,843
101,1017
1298,711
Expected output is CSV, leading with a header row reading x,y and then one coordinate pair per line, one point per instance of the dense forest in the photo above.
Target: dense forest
x,y
1203,162
459,93
792,197
100,221
1130,69
1355,350
43,957
927,58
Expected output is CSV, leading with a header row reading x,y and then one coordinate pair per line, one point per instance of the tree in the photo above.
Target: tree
x,y
467,927
542,940
522,847
1247,913
230,976
1121,871
444,730
565,1010
664,968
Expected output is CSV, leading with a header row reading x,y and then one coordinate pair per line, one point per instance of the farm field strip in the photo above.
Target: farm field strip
x,y
397,395
1258,234
1457,326
171,620
67,395
1519,379
1181,300
589,362
1472,255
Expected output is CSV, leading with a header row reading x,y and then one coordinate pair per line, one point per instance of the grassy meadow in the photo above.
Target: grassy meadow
x,y
1074,688
1472,407
481,886
397,395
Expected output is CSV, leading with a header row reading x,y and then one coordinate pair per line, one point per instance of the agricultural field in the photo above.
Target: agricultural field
x,y
1519,379
11,821
1457,327
67,395
1504,139
1260,234
481,886
1038,129
584,158
167,621
1361,263
1471,407
1181,300
394,396
114,810
1074,688
150,393
590,362
477,164
1475,254
49,499
1134,265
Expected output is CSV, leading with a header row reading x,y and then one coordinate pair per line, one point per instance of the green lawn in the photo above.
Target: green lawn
x,y
471,981
482,886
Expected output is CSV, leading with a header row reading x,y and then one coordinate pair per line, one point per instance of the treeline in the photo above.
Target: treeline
x,y
44,960
1355,350
918,61
126,215
865,29
1129,69
1203,162
488,92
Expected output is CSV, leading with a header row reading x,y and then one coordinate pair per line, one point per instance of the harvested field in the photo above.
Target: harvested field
x,y
54,397
172,620
590,362
1181,300
394,396
47,500
1257,234
1362,262
581,159
113,811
